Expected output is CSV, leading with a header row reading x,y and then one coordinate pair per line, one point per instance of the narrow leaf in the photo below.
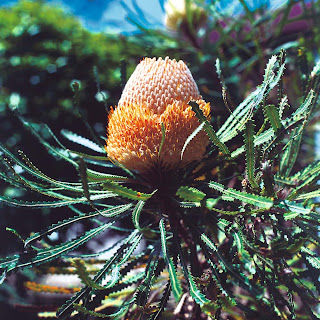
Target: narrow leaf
x,y
250,153
126,192
273,116
175,283
136,214
82,141
211,133
190,194
192,135
259,201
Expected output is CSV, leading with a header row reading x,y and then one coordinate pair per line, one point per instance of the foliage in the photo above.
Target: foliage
x,y
245,243
242,34
235,236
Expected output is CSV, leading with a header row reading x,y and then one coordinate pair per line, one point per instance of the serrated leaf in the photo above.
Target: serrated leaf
x,y
163,301
133,245
145,287
305,177
59,225
194,290
126,192
195,293
102,177
308,195
239,241
82,141
45,255
208,128
86,311
292,148
49,147
175,283
136,214
116,210
189,139
314,261
250,153
241,279
259,201
236,121
86,279
65,311
190,194
304,109
163,132
263,138
295,209
273,116
54,204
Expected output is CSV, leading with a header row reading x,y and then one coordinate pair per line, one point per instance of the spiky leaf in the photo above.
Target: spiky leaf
x,y
175,283
259,201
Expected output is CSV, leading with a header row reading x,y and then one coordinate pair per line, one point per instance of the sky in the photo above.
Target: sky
x,y
111,15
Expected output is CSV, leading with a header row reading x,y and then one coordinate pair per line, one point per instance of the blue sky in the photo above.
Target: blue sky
x,y
110,15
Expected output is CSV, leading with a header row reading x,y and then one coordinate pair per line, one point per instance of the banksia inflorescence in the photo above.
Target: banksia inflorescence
x,y
156,96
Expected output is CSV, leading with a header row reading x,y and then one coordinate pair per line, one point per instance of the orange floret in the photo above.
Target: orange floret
x,y
157,92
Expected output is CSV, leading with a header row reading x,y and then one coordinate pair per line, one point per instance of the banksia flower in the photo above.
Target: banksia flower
x,y
176,15
155,96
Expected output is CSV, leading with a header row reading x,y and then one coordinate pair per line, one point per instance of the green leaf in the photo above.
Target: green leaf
x,y
163,301
305,177
83,175
163,132
192,135
195,293
145,287
48,146
86,279
239,241
292,148
102,177
190,194
13,231
236,121
82,141
126,192
250,153
314,261
27,260
136,214
133,245
86,311
304,109
54,204
34,171
194,290
273,116
211,133
59,225
308,195
65,311
175,283
259,201
295,208
240,278
263,138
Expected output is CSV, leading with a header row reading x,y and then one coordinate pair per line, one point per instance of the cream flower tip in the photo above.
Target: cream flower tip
x,y
157,83
156,95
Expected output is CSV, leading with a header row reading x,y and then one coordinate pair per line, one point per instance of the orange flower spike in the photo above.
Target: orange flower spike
x,y
157,92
